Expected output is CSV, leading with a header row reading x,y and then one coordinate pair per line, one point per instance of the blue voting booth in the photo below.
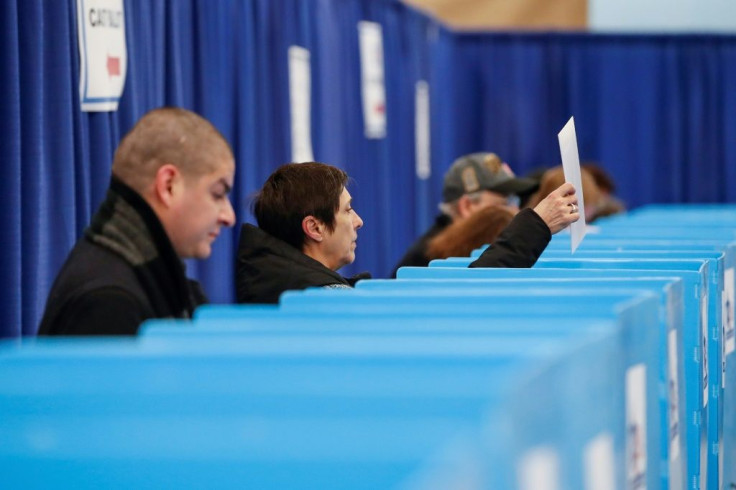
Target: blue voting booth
x,y
460,306
290,391
610,368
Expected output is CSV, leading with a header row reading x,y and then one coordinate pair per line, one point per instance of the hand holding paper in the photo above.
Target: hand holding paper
x,y
571,167
556,209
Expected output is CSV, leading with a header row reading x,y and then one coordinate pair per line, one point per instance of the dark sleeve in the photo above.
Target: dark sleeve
x,y
196,293
105,311
519,245
357,277
414,257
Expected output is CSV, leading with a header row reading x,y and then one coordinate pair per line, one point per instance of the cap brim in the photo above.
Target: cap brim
x,y
516,186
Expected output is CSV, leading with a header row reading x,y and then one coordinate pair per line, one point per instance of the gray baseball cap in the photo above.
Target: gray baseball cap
x,y
483,171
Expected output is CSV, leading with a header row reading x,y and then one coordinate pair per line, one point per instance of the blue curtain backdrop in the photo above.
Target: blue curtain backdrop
x,y
658,111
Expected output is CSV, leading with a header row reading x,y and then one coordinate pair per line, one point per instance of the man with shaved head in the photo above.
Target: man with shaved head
x,y
167,201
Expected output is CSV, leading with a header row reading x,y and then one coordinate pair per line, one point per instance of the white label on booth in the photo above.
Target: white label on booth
x,y
704,345
673,395
370,37
729,319
300,104
598,463
571,168
636,427
421,128
539,469
103,56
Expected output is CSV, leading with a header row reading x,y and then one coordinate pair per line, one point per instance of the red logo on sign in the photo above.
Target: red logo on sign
x,y
113,66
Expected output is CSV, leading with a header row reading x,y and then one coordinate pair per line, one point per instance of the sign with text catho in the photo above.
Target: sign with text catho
x,y
103,56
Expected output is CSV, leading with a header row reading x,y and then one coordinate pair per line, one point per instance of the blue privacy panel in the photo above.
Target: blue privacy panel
x,y
642,332
197,386
695,286
708,331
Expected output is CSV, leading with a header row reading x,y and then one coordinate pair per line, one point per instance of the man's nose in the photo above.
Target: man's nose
x,y
358,221
227,216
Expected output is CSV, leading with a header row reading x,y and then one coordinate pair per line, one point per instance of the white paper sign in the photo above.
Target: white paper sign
x,y
672,395
421,128
103,57
300,82
704,345
571,167
539,469
636,427
598,463
370,37
729,322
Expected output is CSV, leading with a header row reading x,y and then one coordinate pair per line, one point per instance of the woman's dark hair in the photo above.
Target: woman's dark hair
x,y
295,191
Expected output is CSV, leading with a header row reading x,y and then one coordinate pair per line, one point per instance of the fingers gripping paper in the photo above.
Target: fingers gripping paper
x,y
571,168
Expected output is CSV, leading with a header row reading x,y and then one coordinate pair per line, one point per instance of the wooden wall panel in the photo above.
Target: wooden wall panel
x,y
507,14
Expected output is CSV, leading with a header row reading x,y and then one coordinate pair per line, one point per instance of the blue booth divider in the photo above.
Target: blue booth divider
x,y
671,372
604,242
708,330
695,289
642,346
169,375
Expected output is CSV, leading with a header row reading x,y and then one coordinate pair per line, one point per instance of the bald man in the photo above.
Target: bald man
x,y
167,201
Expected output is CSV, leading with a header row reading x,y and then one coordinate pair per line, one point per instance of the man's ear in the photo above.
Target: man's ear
x,y
166,184
313,228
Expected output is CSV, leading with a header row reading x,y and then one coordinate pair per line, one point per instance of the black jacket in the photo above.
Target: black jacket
x,y
123,271
416,256
518,246
267,266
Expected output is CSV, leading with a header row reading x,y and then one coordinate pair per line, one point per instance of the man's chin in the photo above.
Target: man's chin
x,y
203,252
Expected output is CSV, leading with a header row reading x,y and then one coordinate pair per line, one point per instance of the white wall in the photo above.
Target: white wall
x,y
662,15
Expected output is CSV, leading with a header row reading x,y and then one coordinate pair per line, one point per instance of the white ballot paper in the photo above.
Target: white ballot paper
x,y
571,167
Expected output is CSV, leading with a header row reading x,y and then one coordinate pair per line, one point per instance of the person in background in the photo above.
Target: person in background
x,y
463,236
609,204
555,176
167,201
478,180
308,229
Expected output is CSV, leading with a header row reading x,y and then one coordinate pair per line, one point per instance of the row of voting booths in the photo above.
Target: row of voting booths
x,y
610,368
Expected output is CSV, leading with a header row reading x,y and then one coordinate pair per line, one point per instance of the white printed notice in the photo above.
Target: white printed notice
x,y
599,463
729,323
370,38
571,167
636,427
673,397
103,57
421,128
539,469
300,83
704,345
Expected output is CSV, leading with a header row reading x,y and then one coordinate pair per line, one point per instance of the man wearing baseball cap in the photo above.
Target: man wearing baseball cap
x,y
478,180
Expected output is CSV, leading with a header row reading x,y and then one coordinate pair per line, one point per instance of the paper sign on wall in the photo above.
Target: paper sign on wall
x,y
636,426
599,463
704,345
102,53
729,322
673,395
300,83
421,127
571,167
370,37
539,469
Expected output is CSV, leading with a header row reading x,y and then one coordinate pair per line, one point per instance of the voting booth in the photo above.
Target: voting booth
x,y
608,368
